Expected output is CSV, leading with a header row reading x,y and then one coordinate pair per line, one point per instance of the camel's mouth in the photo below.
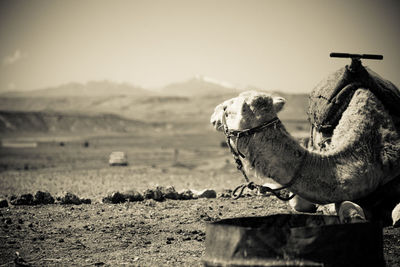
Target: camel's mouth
x,y
216,118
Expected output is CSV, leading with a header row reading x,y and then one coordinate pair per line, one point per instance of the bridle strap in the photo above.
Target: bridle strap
x,y
237,155
243,133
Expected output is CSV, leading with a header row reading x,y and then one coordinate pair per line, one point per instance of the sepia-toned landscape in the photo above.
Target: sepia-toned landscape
x,y
107,153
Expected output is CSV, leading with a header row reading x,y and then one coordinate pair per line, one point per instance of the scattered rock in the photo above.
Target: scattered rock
x,y
25,199
155,194
43,198
114,198
133,195
227,193
7,221
70,198
3,203
186,195
169,192
86,201
206,193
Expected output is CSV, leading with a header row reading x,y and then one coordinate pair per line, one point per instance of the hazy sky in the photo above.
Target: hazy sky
x,y
275,45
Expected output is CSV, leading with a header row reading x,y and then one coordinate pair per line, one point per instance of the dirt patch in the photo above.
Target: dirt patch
x,y
144,233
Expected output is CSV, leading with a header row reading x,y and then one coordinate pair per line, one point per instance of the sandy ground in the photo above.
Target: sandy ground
x,y
147,233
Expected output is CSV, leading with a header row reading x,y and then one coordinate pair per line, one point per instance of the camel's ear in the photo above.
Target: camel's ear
x,y
278,103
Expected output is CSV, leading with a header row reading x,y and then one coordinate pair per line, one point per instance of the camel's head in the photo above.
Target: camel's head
x,y
249,109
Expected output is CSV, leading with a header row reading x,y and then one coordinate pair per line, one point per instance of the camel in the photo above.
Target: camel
x,y
358,170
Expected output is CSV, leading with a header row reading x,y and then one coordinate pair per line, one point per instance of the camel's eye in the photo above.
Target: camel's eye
x,y
226,114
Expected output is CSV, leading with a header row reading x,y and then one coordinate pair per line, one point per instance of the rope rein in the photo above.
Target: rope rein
x,y
237,155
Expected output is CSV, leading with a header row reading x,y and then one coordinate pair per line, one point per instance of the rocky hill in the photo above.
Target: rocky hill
x,y
53,123
81,108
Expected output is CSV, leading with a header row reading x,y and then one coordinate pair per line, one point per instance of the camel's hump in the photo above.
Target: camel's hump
x,y
331,96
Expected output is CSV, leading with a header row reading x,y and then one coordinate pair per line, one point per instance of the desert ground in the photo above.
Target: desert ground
x,y
143,233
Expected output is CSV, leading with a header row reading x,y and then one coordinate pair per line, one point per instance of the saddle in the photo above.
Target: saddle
x,y
330,98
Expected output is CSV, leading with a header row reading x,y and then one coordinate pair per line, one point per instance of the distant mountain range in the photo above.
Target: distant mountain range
x,y
90,89
54,122
106,106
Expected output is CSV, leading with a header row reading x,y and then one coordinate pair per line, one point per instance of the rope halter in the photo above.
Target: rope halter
x,y
237,155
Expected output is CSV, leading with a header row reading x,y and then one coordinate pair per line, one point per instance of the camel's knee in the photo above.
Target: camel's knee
x,y
350,212
300,204
396,216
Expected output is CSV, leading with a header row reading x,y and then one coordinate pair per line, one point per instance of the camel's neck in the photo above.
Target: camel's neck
x,y
319,178
273,153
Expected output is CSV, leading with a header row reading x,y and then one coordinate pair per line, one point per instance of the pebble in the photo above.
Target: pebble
x,y
3,203
155,194
206,193
43,198
133,195
70,198
186,194
25,199
169,192
114,198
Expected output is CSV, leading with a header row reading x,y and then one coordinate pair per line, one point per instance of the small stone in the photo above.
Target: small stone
x,y
7,221
227,193
133,195
169,192
148,194
206,193
60,240
186,195
158,195
86,201
199,238
155,194
3,203
20,221
43,198
70,198
114,198
25,199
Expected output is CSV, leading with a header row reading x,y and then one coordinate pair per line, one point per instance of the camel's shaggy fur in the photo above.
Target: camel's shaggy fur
x,y
363,155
